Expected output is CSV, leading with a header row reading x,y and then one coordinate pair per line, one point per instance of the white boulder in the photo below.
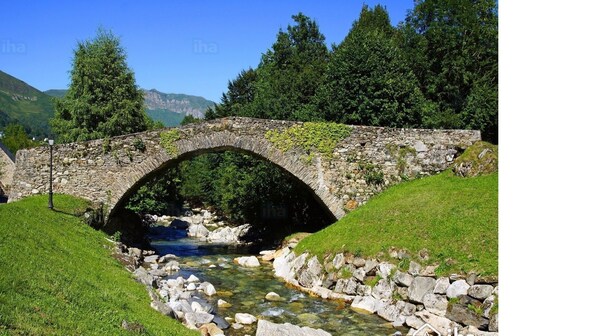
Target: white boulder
x,y
251,261
245,318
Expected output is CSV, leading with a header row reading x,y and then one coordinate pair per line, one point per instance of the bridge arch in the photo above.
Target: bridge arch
x,y
292,163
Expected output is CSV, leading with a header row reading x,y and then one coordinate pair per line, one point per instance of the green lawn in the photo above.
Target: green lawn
x,y
454,218
57,276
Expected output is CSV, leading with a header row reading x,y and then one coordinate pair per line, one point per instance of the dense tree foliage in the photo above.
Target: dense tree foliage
x,y
290,73
284,84
452,47
368,80
236,100
160,195
438,69
15,138
102,99
189,119
248,189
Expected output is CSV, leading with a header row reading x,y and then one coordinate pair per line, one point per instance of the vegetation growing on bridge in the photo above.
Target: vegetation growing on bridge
x,y
168,141
321,137
58,277
453,219
479,159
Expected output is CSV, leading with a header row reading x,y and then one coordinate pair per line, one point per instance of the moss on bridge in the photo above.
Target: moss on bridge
x,y
320,137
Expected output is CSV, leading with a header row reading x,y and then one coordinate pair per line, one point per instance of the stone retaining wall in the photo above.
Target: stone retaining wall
x,y
415,298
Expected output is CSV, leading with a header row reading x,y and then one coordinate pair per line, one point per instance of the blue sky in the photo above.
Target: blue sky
x,y
191,47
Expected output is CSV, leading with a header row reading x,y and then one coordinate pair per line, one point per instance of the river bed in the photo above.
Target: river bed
x,y
245,289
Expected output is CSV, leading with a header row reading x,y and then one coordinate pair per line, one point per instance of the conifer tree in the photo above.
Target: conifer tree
x,y
102,99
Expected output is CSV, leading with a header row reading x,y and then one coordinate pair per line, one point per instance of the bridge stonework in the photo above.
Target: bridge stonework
x,y
364,163
7,168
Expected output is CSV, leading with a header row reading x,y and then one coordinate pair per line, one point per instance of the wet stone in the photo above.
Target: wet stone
x,y
273,297
245,318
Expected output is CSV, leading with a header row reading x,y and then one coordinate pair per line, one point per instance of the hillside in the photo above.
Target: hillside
x,y
22,103
445,220
58,277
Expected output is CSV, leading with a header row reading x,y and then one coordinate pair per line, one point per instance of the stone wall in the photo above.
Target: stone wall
x,y
361,165
7,168
398,154
407,298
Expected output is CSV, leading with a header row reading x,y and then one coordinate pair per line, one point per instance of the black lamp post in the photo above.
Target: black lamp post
x,y
50,202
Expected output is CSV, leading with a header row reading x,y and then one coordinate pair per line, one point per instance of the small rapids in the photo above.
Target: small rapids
x,y
245,289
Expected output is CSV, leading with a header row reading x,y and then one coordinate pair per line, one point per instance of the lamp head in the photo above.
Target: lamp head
x,y
51,142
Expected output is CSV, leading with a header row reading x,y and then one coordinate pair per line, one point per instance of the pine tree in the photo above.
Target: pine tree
x,y
102,99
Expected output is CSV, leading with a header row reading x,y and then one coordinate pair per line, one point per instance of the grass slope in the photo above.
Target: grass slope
x,y
58,278
455,219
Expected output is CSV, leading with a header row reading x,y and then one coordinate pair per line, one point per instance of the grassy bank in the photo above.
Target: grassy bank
x,y
455,219
57,277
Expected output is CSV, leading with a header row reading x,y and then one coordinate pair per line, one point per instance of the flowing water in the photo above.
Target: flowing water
x,y
246,288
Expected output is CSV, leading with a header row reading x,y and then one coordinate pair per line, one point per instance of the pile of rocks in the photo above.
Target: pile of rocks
x,y
410,298
178,298
207,227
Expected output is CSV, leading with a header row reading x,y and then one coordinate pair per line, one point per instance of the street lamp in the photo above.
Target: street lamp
x,y
50,203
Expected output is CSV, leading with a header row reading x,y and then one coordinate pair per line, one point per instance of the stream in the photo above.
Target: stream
x,y
246,288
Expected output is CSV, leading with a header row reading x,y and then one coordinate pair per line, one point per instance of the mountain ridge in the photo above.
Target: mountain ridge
x,y
177,102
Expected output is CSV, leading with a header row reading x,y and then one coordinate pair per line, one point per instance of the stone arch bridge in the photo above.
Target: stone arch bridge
x,y
362,164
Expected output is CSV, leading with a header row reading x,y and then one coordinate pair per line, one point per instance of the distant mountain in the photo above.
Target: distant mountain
x,y
22,103
58,93
168,108
171,108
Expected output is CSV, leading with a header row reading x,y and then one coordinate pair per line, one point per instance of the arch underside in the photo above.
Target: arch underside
x,y
289,162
